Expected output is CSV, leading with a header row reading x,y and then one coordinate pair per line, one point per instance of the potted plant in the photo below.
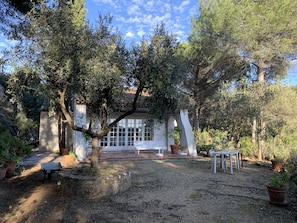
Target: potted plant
x,y
278,188
176,135
10,160
69,158
11,150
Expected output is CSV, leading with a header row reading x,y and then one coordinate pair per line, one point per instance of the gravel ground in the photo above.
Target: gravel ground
x,y
162,191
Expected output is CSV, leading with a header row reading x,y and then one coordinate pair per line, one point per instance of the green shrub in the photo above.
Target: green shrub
x,y
220,139
12,148
280,180
247,147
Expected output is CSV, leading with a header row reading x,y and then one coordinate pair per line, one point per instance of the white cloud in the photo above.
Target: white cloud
x,y
140,33
4,45
112,3
133,10
141,16
139,2
182,6
129,35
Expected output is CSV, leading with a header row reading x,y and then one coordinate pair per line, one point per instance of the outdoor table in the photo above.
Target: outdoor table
x,y
223,154
49,168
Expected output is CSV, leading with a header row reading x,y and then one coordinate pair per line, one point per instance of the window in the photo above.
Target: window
x,y
127,131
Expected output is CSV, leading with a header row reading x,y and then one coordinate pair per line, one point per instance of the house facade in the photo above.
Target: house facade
x,y
121,137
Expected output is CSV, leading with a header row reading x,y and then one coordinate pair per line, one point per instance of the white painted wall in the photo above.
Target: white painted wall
x,y
48,132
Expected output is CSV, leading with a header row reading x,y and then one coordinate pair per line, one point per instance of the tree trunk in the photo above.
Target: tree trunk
x,y
261,142
261,71
94,156
261,79
196,117
273,152
254,130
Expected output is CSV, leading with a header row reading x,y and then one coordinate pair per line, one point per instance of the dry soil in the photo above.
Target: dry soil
x,y
162,191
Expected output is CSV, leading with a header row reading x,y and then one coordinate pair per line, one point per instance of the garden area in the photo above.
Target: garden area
x,y
175,190
229,77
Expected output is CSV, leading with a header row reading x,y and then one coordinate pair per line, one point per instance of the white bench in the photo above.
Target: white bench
x,y
150,145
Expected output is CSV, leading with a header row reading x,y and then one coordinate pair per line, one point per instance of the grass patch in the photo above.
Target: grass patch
x,y
248,208
223,219
197,194
213,186
87,171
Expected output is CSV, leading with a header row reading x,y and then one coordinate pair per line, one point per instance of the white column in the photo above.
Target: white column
x,y
187,137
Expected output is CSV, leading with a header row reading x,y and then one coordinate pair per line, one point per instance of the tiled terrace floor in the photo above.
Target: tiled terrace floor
x,y
42,156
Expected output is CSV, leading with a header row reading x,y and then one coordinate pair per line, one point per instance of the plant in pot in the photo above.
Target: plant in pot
x,y
11,149
278,188
10,160
69,158
176,135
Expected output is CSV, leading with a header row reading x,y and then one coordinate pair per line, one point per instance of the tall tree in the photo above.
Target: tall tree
x,y
263,32
12,14
209,64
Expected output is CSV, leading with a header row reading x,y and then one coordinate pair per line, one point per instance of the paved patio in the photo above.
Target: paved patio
x,y
43,156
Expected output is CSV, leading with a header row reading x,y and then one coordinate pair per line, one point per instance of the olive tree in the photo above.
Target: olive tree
x,y
70,58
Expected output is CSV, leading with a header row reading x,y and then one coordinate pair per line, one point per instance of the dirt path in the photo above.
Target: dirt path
x,y
161,191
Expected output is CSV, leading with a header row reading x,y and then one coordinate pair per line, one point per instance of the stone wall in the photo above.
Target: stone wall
x,y
94,186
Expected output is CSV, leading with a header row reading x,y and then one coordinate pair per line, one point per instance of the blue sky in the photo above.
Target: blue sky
x,y
138,18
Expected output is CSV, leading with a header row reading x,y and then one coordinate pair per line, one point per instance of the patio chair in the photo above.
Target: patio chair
x,y
221,159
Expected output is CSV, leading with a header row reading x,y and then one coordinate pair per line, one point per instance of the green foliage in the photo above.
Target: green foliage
x,y
280,180
247,147
209,64
70,58
212,139
203,140
157,70
177,133
254,29
71,153
220,139
25,124
12,148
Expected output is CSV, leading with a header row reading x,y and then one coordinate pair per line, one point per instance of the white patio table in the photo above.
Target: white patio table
x,y
224,153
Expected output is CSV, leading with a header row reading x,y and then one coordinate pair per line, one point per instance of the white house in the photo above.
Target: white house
x,y
134,128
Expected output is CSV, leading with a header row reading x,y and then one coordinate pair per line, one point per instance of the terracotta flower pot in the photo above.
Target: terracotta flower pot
x,y
64,151
11,166
2,172
174,149
68,158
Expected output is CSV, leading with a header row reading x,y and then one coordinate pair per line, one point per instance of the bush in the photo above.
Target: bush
x,y
12,148
220,139
202,138
247,147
